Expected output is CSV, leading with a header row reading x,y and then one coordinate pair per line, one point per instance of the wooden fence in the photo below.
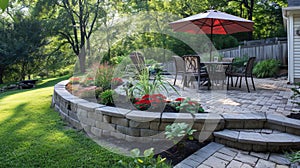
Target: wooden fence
x,y
277,51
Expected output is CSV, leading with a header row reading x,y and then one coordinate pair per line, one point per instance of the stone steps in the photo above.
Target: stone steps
x,y
258,140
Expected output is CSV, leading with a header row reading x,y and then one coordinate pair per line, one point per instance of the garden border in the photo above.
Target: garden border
x,y
142,126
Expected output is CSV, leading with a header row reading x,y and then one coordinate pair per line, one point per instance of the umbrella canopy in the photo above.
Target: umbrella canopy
x,y
212,22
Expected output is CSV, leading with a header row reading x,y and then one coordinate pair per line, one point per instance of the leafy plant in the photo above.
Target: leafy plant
x,y
104,75
106,97
179,130
294,157
188,105
266,68
146,161
146,87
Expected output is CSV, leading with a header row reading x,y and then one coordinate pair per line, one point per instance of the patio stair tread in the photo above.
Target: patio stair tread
x,y
269,138
258,135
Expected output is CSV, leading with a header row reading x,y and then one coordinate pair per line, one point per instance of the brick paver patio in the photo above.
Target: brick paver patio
x,y
271,96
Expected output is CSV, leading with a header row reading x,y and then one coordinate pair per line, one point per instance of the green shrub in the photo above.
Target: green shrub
x,y
294,157
106,97
266,68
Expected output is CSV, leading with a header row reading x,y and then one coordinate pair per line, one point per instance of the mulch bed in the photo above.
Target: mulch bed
x,y
182,150
294,116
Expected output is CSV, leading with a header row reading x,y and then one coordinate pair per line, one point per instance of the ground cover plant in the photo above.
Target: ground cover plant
x,y
33,135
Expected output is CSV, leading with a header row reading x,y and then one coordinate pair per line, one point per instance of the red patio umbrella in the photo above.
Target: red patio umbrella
x,y
212,22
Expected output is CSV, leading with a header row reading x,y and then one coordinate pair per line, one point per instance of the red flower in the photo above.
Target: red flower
x,y
146,96
180,99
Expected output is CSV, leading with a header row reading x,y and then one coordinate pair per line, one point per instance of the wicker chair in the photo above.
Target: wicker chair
x,y
138,61
195,70
179,67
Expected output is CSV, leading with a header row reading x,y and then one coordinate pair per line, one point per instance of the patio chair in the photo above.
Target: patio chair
x,y
138,61
195,70
246,72
179,67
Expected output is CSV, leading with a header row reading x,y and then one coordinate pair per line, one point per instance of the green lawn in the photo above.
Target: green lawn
x,y
33,135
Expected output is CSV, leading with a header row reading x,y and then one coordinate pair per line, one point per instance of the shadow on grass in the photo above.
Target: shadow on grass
x,y
52,82
49,82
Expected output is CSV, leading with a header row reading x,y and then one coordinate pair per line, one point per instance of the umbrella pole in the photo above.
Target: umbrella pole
x,y
211,39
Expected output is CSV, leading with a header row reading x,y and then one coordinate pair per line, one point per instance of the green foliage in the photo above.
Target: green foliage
x,y
146,161
144,86
104,75
266,68
3,4
106,97
294,157
188,105
179,130
33,135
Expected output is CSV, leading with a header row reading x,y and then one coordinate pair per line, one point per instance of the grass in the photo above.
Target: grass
x,y
33,135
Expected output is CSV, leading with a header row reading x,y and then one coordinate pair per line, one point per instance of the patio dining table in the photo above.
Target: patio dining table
x,y
217,71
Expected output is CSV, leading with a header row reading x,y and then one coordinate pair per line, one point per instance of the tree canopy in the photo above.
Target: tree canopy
x,y
43,36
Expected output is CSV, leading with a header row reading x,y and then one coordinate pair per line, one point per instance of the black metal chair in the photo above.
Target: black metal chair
x,y
246,72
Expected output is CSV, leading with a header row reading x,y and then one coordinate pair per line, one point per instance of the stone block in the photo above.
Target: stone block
x,y
81,113
98,116
259,148
147,132
138,139
251,138
265,164
113,111
136,124
91,114
177,117
279,159
88,121
120,121
275,127
128,131
294,131
235,164
234,124
106,132
228,151
216,162
72,115
106,119
251,160
253,124
198,126
96,131
105,126
86,128
260,155
142,116
118,135
223,156
227,134
159,126
203,136
89,106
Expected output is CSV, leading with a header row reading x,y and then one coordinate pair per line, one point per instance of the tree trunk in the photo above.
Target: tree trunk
x,y
82,59
1,75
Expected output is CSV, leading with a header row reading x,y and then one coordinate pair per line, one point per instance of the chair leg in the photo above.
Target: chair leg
x,y
237,79
252,82
231,81
175,79
247,84
240,82
228,82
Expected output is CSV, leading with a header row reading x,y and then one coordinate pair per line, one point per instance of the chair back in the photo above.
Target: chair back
x,y
179,63
192,63
138,60
249,66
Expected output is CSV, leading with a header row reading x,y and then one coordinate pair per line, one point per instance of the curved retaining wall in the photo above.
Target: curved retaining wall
x,y
127,124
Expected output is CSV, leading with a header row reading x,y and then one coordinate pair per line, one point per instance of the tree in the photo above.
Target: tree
x,y
77,20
